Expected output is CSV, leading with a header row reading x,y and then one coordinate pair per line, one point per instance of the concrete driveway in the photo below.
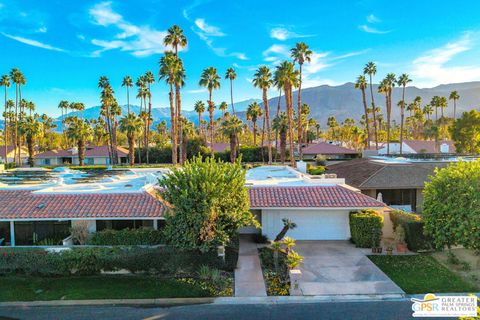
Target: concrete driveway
x,y
337,267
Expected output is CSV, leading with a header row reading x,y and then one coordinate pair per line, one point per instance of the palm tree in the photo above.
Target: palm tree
x,y
253,113
332,124
280,124
5,83
389,83
149,79
31,128
371,69
263,80
361,84
454,96
179,83
288,76
427,110
210,80
63,105
231,75
300,53
434,103
223,107
402,81
132,126
231,128
81,132
15,76
127,83
200,109
442,104
175,38
188,130
168,70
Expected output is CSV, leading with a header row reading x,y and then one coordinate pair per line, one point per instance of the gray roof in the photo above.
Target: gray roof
x,y
370,174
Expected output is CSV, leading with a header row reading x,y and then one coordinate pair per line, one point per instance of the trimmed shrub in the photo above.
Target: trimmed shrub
x,y
248,153
413,225
315,170
366,228
127,237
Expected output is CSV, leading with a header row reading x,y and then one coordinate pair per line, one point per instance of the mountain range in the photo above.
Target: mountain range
x,y
342,101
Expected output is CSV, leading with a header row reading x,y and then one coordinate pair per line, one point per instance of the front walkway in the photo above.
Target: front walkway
x,y
248,274
338,268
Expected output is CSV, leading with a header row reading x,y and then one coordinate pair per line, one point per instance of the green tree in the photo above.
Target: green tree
x,y
280,124
253,113
231,128
81,132
31,128
132,126
200,109
263,80
301,53
208,203
231,75
466,132
211,80
450,207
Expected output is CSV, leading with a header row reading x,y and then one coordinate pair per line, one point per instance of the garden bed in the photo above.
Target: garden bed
x,y
421,274
276,281
462,262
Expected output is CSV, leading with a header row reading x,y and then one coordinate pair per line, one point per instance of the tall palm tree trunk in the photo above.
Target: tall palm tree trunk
x,y
283,146
131,148
389,111
15,134
267,120
233,147
5,128
147,135
288,97
367,121
210,111
402,117
31,150
454,109
231,96
173,126
255,133
178,99
278,111
299,114
81,152
128,100
374,116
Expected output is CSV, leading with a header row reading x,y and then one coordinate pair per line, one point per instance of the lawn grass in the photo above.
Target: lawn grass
x,y
15,288
421,274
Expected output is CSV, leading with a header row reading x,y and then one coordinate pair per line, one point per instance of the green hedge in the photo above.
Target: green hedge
x,y
366,228
413,225
248,153
167,261
127,237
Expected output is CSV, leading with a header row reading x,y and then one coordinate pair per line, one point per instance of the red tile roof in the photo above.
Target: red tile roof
x,y
220,147
26,205
309,197
327,148
10,149
97,151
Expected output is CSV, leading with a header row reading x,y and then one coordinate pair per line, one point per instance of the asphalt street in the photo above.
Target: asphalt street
x,y
365,310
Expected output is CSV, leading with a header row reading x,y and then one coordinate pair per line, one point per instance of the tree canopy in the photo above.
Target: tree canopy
x,y
450,207
466,132
209,203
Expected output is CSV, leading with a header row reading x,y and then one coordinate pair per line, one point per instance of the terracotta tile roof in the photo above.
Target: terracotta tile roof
x,y
309,197
220,146
94,151
10,149
327,148
24,204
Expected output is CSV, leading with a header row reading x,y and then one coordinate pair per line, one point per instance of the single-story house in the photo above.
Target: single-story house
x,y
94,155
419,147
330,151
399,181
319,206
11,153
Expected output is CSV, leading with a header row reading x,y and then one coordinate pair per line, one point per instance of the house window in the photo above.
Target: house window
x,y
399,197
89,161
46,162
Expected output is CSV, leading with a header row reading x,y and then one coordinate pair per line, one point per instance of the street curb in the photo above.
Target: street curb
x,y
125,302
172,302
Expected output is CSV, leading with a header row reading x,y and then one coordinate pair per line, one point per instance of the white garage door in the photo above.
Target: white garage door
x,y
311,224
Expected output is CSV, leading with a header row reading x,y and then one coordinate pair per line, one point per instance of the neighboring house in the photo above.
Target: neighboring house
x,y
418,147
94,155
11,153
331,151
319,206
400,181
220,146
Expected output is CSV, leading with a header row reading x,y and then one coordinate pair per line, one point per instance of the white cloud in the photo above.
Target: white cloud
x,y
208,29
282,34
195,91
369,29
276,53
140,41
42,29
103,14
371,18
430,68
33,43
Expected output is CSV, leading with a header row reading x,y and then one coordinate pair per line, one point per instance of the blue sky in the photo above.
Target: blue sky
x,y
63,47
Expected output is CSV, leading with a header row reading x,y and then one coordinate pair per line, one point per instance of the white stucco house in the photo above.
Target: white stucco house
x,y
94,155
